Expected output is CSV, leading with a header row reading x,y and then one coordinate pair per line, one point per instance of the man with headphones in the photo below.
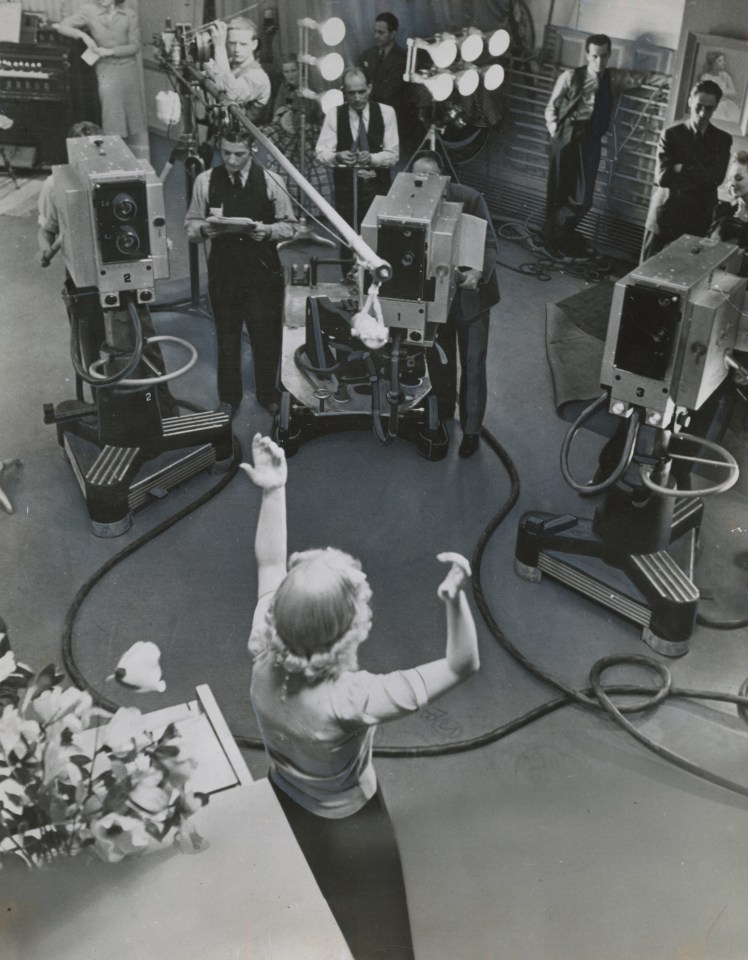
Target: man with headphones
x,y
359,140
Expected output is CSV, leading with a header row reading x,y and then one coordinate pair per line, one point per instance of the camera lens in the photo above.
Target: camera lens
x,y
124,206
127,241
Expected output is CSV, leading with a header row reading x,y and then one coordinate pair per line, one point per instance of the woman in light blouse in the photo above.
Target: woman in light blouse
x,y
110,30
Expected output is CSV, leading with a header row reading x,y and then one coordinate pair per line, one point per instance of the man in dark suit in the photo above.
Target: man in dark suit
x,y
467,324
577,117
692,161
384,64
359,141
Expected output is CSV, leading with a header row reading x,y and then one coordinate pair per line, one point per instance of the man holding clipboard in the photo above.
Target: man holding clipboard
x,y
244,211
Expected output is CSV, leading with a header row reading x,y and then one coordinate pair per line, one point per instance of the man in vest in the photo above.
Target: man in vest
x,y
692,161
244,211
359,140
577,117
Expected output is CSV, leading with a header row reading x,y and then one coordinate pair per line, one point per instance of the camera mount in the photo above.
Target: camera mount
x,y
674,323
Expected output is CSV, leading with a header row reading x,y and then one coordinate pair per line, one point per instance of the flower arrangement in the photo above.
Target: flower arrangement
x,y
75,777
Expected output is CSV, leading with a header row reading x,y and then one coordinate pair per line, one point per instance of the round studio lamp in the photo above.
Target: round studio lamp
x,y
493,76
498,43
331,66
439,85
331,99
468,81
471,47
332,31
442,50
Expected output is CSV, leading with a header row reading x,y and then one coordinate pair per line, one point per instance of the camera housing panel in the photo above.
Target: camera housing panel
x,y
112,219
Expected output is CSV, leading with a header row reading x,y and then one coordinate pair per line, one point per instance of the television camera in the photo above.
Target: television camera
x,y
354,351
348,358
676,324
129,443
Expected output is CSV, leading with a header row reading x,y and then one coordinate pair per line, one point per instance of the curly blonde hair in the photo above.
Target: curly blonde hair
x,y
318,618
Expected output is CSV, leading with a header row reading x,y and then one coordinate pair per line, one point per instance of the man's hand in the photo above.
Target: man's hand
x,y
210,230
218,33
468,279
363,159
270,470
103,51
260,231
457,578
345,158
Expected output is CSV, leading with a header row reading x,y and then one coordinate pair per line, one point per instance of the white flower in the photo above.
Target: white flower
x,y
176,756
126,732
57,762
7,659
54,705
11,797
116,837
139,668
17,735
188,840
149,795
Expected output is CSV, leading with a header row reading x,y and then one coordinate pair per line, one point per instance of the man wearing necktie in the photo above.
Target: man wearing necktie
x,y
577,117
359,140
245,278
384,64
692,161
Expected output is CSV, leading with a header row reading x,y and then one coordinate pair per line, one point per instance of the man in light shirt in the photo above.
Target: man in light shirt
x,y
234,68
359,140
244,211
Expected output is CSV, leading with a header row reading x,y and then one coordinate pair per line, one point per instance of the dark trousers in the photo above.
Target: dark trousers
x,y
470,335
572,172
366,190
260,308
652,244
356,864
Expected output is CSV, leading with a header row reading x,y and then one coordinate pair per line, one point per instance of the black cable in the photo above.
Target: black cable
x,y
598,698
624,462
75,352
67,634
707,621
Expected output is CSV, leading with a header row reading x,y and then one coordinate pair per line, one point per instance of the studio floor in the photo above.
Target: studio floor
x,y
563,840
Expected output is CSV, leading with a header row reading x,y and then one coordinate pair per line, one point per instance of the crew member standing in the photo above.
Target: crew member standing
x,y
384,64
359,141
467,324
577,116
234,68
692,160
112,34
245,278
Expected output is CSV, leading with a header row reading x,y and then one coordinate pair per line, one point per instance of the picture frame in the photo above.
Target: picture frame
x,y
724,60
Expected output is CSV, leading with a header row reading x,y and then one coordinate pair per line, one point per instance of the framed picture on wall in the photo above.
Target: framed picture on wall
x,y
725,61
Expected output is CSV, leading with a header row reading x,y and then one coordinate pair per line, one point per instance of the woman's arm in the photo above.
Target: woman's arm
x,y
131,46
269,473
72,27
461,657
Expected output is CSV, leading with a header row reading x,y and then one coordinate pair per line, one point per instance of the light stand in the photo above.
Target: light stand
x,y
304,231
187,150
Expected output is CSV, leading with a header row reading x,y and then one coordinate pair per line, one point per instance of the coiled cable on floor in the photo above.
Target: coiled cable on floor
x,y
68,656
597,698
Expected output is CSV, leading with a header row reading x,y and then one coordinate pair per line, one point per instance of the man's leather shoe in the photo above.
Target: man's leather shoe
x,y
470,443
